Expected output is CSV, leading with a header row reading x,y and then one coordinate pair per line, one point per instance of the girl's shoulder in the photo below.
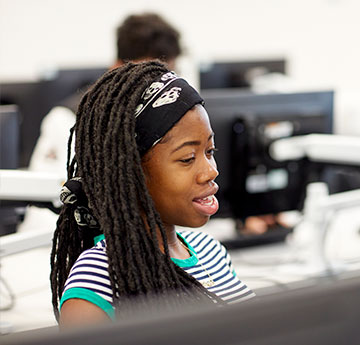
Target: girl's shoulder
x,y
97,252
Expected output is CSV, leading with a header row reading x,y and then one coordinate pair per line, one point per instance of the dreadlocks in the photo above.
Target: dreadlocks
x,y
108,161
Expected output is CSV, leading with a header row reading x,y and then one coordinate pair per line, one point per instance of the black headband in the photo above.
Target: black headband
x,y
161,106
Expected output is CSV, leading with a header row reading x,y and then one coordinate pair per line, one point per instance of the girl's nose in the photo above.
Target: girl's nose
x,y
208,172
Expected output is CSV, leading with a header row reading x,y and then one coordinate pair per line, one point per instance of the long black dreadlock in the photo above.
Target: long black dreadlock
x,y
109,164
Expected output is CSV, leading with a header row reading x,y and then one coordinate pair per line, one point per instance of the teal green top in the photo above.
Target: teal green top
x,y
90,296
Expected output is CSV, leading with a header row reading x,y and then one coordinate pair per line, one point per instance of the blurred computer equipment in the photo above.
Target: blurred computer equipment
x,y
236,74
9,159
324,313
36,98
245,125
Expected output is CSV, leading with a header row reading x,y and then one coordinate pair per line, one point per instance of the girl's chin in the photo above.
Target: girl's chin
x,y
196,223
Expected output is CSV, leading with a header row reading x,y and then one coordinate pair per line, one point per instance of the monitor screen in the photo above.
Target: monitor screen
x,y
36,98
9,159
9,137
236,74
322,313
245,124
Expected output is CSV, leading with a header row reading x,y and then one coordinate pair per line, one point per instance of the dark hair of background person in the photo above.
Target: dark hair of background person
x,y
147,35
117,194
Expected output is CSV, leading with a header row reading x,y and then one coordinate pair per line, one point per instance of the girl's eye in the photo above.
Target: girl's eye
x,y
211,152
187,160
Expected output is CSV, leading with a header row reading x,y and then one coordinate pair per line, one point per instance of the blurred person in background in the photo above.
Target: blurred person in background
x,y
140,37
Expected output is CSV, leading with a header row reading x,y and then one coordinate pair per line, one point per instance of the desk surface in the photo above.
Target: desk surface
x,y
266,269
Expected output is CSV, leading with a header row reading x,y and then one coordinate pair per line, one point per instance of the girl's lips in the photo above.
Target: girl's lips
x,y
206,206
210,191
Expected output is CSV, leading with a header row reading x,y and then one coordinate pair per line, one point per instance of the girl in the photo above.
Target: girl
x,y
143,163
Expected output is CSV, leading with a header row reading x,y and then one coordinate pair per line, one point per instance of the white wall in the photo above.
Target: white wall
x,y
319,38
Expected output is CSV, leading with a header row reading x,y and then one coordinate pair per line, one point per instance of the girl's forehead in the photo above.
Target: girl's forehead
x,y
194,125
195,119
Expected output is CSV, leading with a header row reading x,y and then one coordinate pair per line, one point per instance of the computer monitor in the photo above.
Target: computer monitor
x,y
9,159
74,80
236,74
30,98
245,124
36,98
9,136
325,313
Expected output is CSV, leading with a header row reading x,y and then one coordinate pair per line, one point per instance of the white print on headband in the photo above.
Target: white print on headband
x,y
138,109
153,88
167,76
168,97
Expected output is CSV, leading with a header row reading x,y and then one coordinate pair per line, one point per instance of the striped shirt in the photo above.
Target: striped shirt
x,y
209,263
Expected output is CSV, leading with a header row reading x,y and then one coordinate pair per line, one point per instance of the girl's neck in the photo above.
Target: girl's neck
x,y
176,250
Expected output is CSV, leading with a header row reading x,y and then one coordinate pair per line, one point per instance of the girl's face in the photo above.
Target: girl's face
x,y
180,172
